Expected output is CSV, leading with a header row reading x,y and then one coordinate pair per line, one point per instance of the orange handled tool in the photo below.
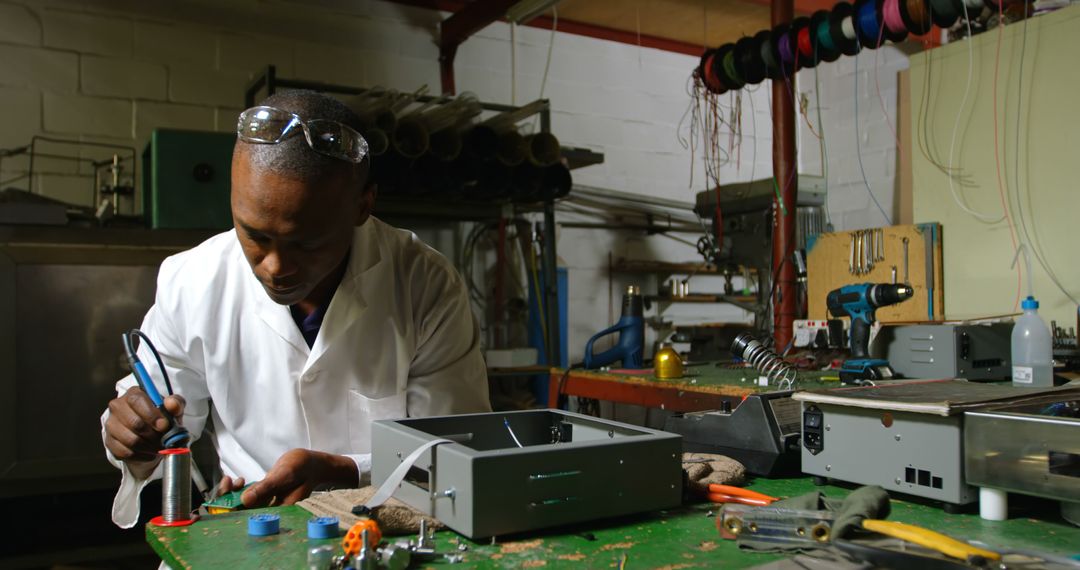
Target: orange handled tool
x,y
729,494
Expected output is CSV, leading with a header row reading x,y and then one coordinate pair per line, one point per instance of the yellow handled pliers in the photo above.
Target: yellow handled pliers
x,y
930,539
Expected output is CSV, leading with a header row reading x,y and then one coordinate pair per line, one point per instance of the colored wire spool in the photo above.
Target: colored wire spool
x,y
716,67
916,15
842,28
785,50
945,13
867,24
264,525
748,61
322,527
895,35
890,12
800,34
824,46
768,54
725,67
706,71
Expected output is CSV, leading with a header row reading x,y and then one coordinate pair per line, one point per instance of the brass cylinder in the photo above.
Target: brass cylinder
x,y
667,363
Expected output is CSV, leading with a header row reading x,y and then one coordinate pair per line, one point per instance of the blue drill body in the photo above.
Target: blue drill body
x,y
860,302
631,328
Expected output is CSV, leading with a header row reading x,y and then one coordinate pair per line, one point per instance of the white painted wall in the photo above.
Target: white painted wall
x,y
850,205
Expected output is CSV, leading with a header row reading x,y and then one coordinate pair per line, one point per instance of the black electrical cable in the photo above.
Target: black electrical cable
x,y
132,348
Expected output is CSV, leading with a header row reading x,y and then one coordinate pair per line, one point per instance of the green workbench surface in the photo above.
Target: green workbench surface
x,y
680,538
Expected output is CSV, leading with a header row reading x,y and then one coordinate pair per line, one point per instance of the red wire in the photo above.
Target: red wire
x,y
997,154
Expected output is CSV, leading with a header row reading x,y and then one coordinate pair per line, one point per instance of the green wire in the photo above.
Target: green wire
x,y
779,199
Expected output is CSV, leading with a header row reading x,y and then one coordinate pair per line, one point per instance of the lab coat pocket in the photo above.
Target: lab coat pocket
x,y
364,410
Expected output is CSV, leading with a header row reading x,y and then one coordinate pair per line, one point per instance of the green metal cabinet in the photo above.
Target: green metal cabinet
x,y
186,179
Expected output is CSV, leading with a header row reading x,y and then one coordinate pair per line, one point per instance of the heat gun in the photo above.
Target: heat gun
x,y
631,329
860,302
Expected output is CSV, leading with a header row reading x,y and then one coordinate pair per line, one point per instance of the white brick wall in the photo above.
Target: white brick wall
x,y
85,33
18,25
111,77
76,115
850,205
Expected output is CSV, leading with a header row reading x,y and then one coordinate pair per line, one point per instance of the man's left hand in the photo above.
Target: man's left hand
x,y
296,474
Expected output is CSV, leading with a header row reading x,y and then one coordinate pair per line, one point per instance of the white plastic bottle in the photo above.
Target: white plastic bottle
x,y
1032,356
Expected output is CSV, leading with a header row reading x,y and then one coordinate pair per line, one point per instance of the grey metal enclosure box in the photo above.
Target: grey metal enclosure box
x,y
974,352
572,468
1028,449
919,454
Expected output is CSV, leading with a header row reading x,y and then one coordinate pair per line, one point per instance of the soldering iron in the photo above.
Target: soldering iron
x,y
860,302
177,435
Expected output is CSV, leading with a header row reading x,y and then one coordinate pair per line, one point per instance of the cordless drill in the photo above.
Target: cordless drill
x,y
859,302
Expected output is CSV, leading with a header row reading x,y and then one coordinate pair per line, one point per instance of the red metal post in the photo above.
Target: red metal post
x,y
457,28
784,165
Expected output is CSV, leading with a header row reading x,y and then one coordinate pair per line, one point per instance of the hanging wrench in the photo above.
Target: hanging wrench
x,y
907,281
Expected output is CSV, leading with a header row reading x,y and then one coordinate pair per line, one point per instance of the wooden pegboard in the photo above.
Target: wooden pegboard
x,y
827,269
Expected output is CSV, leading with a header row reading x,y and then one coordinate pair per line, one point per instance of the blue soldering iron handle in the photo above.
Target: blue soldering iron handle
x,y
147,384
177,435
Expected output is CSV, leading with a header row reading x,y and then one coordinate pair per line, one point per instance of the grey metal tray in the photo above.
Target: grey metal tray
x,y
1028,449
571,468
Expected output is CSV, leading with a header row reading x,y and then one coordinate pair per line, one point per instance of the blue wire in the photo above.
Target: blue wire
x,y
858,147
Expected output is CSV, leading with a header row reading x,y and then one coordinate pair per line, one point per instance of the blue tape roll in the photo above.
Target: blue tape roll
x,y
264,525
322,527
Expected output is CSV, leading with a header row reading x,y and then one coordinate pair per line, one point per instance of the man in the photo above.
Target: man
x,y
302,325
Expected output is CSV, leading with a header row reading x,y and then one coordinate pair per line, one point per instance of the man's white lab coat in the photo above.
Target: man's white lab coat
x,y
399,339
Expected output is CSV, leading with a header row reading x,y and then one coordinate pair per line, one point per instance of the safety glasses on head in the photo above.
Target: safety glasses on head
x,y
268,125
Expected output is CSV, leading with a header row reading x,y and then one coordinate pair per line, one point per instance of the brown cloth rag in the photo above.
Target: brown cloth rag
x,y
393,516
715,469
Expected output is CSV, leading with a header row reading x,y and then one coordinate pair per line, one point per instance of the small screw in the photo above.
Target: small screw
x,y
828,467
897,437
897,480
828,427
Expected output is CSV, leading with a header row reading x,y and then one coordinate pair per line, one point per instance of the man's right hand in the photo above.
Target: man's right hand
x,y
134,429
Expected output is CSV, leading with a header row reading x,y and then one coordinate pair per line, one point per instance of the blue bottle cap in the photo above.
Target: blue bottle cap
x,y
264,525
1029,303
322,527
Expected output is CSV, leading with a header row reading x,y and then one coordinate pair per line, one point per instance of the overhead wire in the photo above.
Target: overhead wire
x,y
1033,245
858,148
997,154
956,127
824,146
927,143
